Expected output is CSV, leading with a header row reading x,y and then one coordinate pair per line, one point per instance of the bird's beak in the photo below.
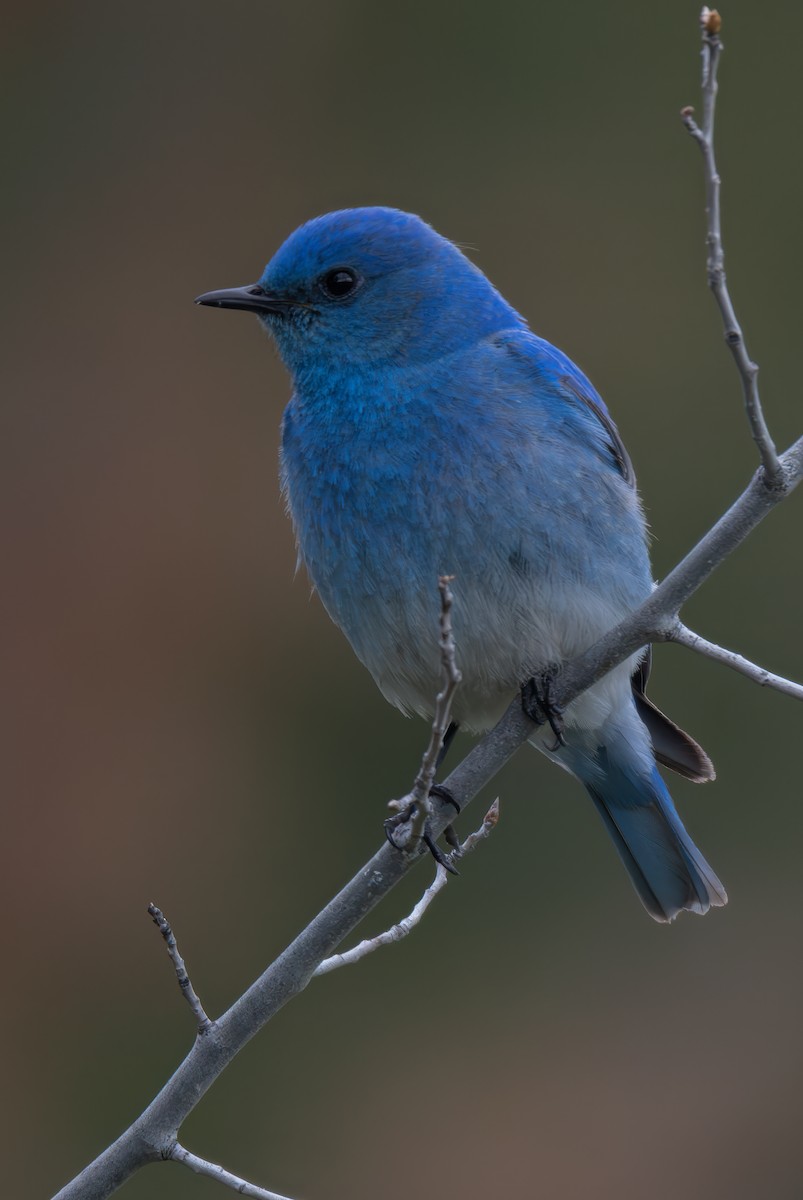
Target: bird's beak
x,y
252,298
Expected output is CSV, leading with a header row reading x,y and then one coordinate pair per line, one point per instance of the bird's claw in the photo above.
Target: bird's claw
x,y
443,793
536,700
391,824
440,858
402,817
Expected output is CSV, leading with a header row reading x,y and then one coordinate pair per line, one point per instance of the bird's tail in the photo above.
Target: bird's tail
x,y
665,867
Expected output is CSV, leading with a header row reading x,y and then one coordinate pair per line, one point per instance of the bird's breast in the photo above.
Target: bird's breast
x,y
388,493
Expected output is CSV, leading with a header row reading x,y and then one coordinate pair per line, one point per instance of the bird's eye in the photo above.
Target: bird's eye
x,y
340,282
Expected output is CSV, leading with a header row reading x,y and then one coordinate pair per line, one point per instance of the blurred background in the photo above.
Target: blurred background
x,y
182,722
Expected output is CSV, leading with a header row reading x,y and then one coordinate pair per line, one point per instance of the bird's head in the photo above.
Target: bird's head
x,y
369,287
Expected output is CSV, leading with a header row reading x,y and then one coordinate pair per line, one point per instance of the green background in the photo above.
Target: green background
x,y
184,724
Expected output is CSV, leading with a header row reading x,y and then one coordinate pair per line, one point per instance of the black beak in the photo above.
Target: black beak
x,y
252,299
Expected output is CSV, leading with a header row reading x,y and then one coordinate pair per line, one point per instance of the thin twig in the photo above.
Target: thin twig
x,y
201,1167
405,926
187,990
711,23
686,637
419,796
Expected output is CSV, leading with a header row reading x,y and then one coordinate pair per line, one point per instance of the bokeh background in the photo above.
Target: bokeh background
x,y
182,722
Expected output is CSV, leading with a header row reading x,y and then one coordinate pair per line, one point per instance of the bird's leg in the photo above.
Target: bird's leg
x,y
443,793
536,700
448,738
438,789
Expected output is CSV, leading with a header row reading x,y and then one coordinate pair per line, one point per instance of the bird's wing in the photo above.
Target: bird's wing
x,y
566,395
553,372
674,748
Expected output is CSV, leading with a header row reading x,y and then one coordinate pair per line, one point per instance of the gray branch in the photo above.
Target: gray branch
x,y
419,796
201,1167
711,23
407,924
187,990
693,641
153,1135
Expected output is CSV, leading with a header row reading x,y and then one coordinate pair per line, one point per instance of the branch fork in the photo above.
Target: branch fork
x,y
408,923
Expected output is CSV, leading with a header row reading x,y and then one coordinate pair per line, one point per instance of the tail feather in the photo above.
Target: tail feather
x,y
665,867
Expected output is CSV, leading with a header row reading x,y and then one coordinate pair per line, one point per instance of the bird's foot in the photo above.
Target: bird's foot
x,y
536,700
405,814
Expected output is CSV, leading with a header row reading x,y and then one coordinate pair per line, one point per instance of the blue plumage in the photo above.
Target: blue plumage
x,y
430,432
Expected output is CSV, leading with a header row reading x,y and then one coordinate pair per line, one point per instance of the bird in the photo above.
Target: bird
x,y
431,433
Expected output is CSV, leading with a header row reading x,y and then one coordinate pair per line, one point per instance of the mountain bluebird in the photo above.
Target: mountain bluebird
x,y
431,433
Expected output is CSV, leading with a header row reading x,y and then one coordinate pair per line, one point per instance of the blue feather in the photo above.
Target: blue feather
x,y
667,870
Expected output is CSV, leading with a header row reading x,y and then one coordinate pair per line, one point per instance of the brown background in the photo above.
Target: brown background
x,y
182,724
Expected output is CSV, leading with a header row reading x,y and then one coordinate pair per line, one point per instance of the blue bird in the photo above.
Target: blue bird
x,y
431,433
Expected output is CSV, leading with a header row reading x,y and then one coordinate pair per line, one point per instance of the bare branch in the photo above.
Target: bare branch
x,y
187,990
201,1167
150,1137
693,641
394,934
711,24
405,926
